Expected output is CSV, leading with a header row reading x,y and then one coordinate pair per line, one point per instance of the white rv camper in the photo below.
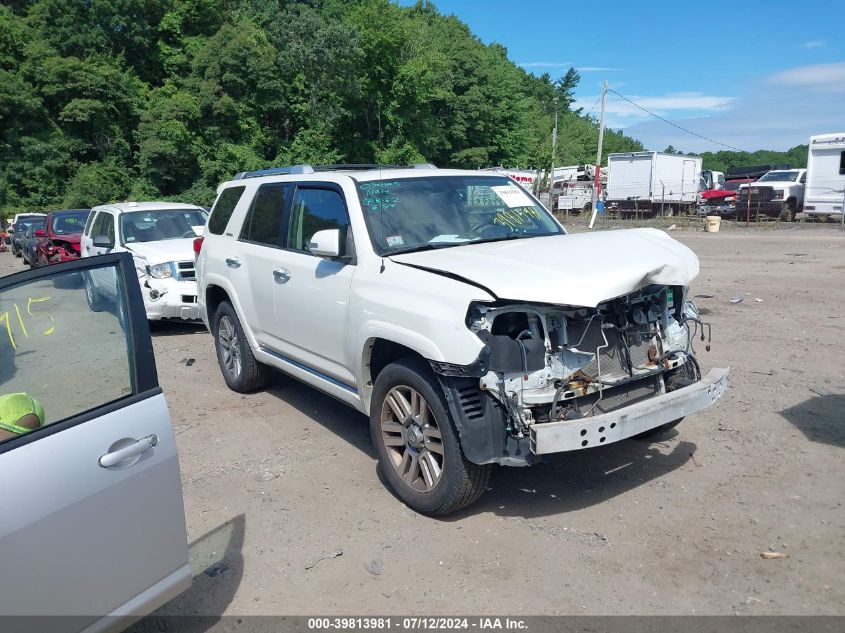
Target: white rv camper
x,y
825,190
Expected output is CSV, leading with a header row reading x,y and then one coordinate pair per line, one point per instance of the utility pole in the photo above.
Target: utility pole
x,y
597,183
554,147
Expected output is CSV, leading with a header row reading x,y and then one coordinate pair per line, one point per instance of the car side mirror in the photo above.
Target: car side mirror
x,y
325,243
40,233
101,241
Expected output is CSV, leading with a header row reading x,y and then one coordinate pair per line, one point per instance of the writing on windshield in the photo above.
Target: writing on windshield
x,y
440,211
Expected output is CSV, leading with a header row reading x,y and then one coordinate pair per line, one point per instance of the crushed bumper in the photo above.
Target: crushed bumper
x,y
174,299
557,437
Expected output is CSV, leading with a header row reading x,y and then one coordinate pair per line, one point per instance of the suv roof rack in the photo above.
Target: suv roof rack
x,y
275,171
308,169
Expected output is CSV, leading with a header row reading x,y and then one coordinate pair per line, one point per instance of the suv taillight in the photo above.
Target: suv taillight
x,y
198,246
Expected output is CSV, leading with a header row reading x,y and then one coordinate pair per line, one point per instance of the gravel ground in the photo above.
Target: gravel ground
x,y
287,515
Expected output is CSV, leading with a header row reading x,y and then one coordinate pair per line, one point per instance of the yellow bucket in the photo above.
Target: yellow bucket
x,y
712,222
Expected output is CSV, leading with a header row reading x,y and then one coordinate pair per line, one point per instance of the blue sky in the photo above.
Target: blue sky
x,y
751,74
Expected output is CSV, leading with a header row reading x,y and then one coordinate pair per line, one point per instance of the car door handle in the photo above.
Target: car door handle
x,y
281,275
136,448
233,262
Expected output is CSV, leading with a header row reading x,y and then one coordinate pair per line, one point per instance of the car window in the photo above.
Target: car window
x,y
316,210
223,209
263,224
69,223
161,224
49,329
107,227
97,228
89,222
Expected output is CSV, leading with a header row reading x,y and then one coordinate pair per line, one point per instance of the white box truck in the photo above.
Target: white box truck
x,y
646,181
823,194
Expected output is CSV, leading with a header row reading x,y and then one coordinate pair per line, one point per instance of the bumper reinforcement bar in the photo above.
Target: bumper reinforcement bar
x,y
557,437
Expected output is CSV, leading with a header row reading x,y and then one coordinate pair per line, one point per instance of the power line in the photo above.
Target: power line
x,y
594,105
657,116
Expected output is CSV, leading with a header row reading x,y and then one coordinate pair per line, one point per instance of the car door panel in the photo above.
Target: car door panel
x,y
312,312
311,294
76,538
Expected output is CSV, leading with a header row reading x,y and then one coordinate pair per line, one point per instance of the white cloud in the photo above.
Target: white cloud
x,y
826,77
545,64
814,44
777,113
621,114
596,69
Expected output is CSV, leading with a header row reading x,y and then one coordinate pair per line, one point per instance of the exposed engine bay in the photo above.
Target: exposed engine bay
x,y
545,363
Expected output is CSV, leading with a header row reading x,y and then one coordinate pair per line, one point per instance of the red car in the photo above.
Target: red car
x,y
58,241
722,201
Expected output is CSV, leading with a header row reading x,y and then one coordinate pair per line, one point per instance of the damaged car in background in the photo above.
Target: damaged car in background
x,y
457,313
160,238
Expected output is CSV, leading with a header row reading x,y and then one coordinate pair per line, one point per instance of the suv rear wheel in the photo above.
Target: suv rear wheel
x,y
241,371
416,442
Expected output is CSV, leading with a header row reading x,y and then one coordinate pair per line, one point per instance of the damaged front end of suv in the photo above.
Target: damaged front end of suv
x,y
559,378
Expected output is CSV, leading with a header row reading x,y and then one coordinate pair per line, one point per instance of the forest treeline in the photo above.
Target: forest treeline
x,y
104,100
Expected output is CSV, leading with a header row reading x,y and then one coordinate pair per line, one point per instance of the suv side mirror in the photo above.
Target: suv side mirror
x,y
101,241
40,233
325,243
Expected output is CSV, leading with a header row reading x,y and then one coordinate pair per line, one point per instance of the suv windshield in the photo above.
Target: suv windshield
x,y
69,223
164,224
407,214
780,176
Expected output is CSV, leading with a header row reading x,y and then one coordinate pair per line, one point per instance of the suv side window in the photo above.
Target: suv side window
x,y
89,223
223,209
263,224
316,209
104,225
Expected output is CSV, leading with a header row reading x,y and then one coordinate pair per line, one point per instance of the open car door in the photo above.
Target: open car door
x,y
92,525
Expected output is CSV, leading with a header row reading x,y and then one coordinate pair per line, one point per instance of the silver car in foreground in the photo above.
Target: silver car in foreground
x,y
92,526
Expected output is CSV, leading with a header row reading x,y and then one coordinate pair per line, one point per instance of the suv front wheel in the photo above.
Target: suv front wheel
x,y
241,371
416,442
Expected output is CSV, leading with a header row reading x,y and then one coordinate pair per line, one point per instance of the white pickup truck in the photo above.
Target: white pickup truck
x,y
778,193
452,309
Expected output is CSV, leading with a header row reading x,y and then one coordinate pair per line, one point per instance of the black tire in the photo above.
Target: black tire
x,y
587,208
16,251
241,371
94,298
461,482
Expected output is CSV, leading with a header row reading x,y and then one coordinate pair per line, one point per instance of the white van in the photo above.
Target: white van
x,y
825,175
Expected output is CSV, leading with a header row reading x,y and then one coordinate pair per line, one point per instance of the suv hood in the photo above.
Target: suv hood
x,y
164,250
575,270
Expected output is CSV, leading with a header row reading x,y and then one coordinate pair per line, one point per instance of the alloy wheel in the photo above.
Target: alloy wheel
x,y
412,438
227,338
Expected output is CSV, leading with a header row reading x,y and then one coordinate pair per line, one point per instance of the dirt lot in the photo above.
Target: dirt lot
x,y
275,480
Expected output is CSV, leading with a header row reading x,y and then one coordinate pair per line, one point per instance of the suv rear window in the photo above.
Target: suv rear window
x,y
223,209
263,224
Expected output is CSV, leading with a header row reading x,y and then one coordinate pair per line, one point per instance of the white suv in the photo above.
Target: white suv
x,y
160,237
454,310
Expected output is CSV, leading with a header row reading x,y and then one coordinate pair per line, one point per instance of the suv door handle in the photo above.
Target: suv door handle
x,y
135,448
281,275
233,262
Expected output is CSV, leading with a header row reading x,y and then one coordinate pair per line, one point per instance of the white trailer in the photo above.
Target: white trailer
x,y
825,189
647,181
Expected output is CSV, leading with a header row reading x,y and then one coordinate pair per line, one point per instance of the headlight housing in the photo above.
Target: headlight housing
x,y
161,271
